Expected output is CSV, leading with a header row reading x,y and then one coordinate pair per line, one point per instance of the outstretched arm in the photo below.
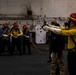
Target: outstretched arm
x,y
52,29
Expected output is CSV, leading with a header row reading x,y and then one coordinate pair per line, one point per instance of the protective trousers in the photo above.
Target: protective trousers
x,y
26,43
6,43
57,61
72,63
16,42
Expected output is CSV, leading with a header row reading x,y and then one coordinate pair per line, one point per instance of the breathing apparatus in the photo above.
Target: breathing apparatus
x,y
71,18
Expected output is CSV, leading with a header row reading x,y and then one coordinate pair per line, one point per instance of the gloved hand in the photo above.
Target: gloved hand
x,y
18,34
11,34
26,36
46,28
4,35
53,29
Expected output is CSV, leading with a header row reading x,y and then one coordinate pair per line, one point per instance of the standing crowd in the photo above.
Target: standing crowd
x,y
14,39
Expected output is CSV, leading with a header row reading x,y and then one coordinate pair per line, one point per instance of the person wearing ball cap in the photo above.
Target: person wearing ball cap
x,y
71,34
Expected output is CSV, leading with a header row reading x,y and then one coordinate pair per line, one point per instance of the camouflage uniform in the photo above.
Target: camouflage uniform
x,y
57,61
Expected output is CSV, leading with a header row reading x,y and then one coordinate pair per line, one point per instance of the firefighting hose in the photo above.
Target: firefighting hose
x,y
38,49
32,40
34,46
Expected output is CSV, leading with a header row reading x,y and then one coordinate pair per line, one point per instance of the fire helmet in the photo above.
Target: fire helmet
x,y
15,24
5,24
73,17
25,26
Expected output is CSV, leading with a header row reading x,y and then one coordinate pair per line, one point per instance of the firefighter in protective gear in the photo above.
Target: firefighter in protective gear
x,y
6,38
16,34
57,44
26,40
70,32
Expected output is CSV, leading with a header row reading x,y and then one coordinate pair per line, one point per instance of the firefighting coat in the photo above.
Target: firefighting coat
x,y
70,32
14,32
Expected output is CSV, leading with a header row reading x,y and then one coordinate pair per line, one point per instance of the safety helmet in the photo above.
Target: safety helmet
x,y
15,24
5,24
25,26
73,17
